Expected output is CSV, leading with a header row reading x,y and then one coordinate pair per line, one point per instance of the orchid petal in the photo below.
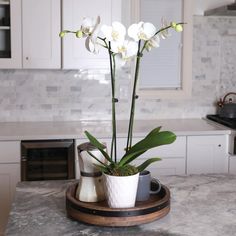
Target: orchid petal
x,y
87,42
164,33
116,32
89,25
149,30
115,46
91,46
107,31
131,49
154,42
133,31
141,31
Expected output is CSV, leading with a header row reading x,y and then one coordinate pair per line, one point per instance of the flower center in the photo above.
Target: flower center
x,y
121,49
115,35
142,36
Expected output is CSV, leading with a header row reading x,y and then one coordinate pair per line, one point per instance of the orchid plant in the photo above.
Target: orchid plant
x,y
142,37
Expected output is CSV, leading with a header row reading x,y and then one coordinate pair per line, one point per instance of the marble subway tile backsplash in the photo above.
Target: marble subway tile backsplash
x,y
53,95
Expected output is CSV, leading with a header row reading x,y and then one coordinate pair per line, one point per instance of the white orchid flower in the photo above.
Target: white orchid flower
x,y
154,42
116,32
124,51
91,42
89,25
141,31
128,49
91,29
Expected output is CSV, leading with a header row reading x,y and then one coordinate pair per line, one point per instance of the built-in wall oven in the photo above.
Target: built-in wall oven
x,y
47,160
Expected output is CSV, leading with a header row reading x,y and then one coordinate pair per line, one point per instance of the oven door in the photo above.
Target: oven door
x,y
47,160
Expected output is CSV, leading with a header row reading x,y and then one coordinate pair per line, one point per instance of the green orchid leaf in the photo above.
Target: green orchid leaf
x,y
130,157
154,131
98,145
102,168
145,164
153,139
91,154
133,156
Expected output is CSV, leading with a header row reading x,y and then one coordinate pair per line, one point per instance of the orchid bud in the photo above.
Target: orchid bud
x,y
62,34
79,34
178,28
173,24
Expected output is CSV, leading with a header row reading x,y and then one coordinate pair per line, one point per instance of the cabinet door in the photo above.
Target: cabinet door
x,y
207,154
10,34
173,158
9,176
41,27
75,55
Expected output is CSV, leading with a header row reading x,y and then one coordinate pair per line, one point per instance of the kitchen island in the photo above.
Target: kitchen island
x,y
200,205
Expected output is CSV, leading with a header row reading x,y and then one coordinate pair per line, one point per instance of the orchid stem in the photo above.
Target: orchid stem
x,y
132,110
112,69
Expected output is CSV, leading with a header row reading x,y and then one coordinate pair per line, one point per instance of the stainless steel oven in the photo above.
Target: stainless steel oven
x,y
47,160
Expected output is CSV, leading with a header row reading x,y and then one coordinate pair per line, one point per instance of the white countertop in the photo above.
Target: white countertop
x,y
102,129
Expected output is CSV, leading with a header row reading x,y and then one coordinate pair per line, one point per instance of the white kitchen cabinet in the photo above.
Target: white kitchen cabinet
x,y
9,176
207,154
10,34
173,158
187,155
41,27
75,55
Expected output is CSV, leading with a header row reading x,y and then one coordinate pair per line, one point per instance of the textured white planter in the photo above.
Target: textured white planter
x,y
121,190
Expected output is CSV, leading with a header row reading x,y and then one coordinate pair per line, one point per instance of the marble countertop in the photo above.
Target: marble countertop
x,y
102,129
200,205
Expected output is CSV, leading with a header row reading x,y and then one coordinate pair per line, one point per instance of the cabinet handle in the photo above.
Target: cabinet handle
x,y
219,145
27,58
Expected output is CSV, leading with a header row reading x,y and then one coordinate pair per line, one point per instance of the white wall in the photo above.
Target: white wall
x,y
199,6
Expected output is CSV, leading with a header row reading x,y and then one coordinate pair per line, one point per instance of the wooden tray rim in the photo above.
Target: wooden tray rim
x,y
70,196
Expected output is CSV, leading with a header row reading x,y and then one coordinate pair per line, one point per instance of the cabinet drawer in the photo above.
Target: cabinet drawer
x,y
9,152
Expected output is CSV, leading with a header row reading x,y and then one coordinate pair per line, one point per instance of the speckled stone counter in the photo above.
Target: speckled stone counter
x,y
200,205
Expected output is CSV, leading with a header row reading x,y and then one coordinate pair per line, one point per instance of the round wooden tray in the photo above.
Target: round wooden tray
x,y
99,213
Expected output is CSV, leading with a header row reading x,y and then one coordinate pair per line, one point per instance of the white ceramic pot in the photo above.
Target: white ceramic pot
x,y
121,190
